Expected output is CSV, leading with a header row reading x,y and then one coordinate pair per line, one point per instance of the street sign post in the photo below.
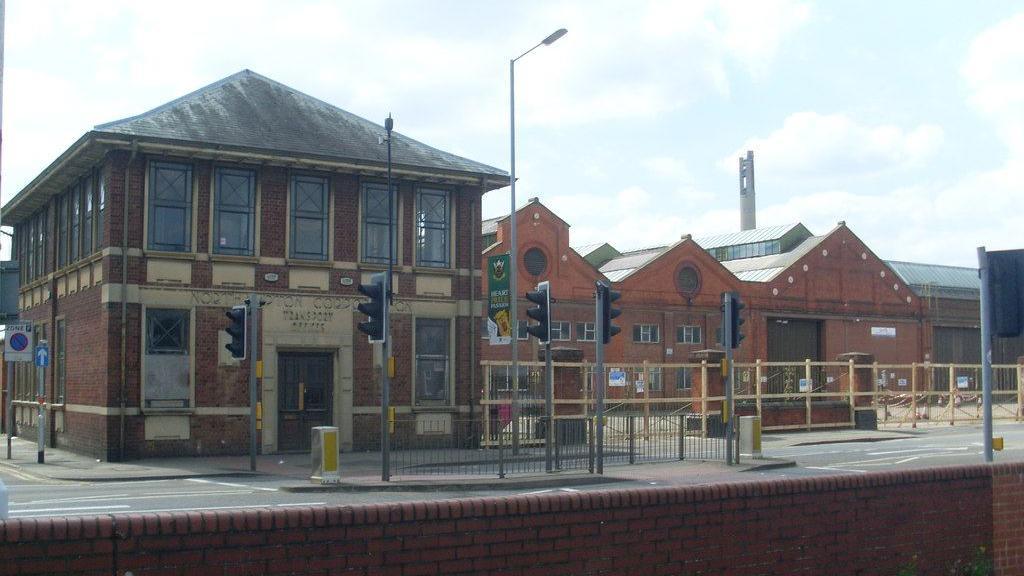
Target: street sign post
x,y
17,348
42,355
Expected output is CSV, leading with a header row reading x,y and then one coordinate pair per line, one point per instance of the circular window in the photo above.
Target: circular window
x,y
536,261
688,280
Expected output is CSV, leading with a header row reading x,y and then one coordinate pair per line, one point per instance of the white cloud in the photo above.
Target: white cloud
x,y
810,145
994,71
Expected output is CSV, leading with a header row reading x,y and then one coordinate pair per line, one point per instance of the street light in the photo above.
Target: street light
x,y
513,278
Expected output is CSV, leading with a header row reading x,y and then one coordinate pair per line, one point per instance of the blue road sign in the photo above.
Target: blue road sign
x,y
42,355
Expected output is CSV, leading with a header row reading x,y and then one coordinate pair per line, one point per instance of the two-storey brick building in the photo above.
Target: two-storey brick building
x,y
135,241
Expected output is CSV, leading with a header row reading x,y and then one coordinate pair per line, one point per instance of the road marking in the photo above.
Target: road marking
x,y
72,499
834,469
905,460
300,504
233,484
41,510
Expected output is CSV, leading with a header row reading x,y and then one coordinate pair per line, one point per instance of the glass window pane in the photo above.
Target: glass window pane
x,y
168,227
308,237
233,231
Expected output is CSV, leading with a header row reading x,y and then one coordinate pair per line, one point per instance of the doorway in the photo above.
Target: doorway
x,y
304,397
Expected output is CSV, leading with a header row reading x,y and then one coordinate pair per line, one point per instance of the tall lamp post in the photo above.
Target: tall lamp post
x,y
514,277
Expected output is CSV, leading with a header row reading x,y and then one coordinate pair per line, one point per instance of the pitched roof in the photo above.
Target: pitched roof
x,y
939,280
766,268
248,114
628,262
748,236
253,111
490,225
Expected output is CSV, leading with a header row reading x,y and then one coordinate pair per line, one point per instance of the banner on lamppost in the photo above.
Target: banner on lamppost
x,y
499,323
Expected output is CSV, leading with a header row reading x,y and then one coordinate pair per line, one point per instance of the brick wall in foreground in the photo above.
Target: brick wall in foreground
x,y
866,524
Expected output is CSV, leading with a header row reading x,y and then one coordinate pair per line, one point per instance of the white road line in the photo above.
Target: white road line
x,y
40,510
72,499
834,469
300,504
204,481
905,460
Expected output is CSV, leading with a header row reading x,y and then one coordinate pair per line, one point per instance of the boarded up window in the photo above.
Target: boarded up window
x,y
167,358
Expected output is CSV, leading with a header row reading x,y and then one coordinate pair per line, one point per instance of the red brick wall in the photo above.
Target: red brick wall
x,y
858,524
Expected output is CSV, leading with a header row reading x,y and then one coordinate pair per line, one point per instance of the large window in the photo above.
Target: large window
x,y
560,331
655,382
62,231
87,246
432,363
585,331
59,364
170,207
646,333
76,223
433,228
167,358
688,334
234,218
375,223
100,212
41,237
309,218
684,379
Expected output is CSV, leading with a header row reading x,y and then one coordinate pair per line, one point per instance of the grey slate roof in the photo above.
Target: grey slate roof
x,y
938,280
251,111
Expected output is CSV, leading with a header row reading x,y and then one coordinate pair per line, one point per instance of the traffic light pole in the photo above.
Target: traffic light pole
x,y
549,405
385,346
727,313
254,308
986,353
599,383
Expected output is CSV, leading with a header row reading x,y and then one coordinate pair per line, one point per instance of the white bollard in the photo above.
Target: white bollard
x,y
750,436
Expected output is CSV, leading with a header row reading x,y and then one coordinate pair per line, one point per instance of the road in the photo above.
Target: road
x,y
35,497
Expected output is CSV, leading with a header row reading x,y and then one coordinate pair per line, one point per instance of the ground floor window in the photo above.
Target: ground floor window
x,y
167,366
432,361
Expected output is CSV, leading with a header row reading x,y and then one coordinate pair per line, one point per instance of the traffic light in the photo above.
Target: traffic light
x,y
1006,291
376,308
541,312
238,330
733,314
605,298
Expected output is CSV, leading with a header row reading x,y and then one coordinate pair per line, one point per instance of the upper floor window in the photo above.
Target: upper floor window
x,y
521,333
560,331
309,217
234,218
375,223
62,231
87,211
688,334
585,331
76,221
433,228
101,208
647,333
170,207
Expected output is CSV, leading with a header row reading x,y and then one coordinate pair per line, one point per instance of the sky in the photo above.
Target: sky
x,y
903,119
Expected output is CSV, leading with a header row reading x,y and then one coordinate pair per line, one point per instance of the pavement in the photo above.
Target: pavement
x,y
360,471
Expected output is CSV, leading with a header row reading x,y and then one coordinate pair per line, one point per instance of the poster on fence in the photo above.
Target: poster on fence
x,y
499,322
963,382
805,385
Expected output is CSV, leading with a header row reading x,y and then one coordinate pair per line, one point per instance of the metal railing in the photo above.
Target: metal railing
x,y
661,412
